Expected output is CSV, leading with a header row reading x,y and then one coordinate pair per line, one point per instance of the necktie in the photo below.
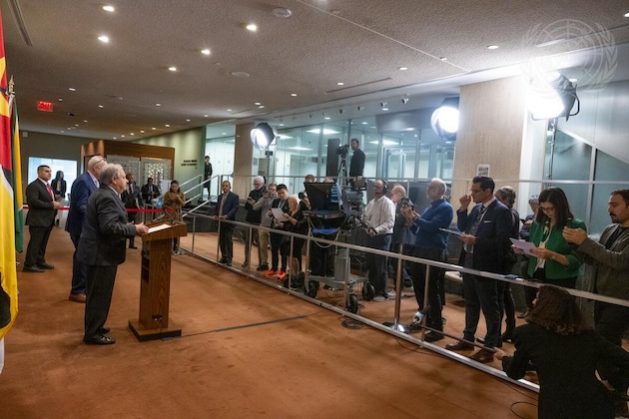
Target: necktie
x,y
474,227
49,189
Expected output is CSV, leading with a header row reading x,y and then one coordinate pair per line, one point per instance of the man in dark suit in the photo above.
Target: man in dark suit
x,y
81,190
103,248
40,219
150,191
227,207
207,174
486,242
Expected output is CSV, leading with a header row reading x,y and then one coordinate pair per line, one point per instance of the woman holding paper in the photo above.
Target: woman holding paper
x,y
553,260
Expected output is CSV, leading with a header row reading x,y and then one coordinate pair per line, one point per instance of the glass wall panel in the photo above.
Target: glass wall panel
x,y
611,169
364,129
570,160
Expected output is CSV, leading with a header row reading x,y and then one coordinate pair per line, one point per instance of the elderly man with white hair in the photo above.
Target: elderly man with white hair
x,y
254,216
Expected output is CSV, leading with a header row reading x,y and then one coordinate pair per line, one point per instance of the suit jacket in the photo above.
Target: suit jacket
x,y
230,207
131,196
492,236
357,163
80,192
106,228
566,367
41,212
610,268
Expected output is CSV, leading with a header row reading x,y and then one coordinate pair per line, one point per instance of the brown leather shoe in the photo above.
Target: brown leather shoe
x,y
483,356
460,346
78,298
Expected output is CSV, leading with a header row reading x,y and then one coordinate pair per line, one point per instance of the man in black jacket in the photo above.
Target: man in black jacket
x,y
486,241
102,247
40,219
357,163
253,216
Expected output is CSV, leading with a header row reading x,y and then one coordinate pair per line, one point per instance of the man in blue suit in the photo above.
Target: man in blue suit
x,y
227,207
485,244
81,190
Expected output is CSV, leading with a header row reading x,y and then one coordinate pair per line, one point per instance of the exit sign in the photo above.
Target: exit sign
x,y
44,106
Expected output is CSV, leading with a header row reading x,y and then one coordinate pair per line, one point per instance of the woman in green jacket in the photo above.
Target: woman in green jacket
x,y
554,261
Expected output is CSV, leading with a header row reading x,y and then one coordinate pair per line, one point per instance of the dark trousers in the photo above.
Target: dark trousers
x,y
225,241
100,287
377,264
481,294
276,246
36,250
79,269
506,306
435,285
611,322
131,216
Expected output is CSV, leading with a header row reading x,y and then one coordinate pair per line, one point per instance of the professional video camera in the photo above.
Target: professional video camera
x,y
342,150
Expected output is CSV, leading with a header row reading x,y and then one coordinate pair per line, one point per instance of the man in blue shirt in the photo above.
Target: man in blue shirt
x,y
431,243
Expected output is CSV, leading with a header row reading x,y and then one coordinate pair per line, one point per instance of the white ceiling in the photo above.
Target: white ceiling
x,y
362,43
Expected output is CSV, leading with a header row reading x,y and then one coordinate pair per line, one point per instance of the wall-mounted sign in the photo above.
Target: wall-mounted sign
x,y
192,162
482,170
44,106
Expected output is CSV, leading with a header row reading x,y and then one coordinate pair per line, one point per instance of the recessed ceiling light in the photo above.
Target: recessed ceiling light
x,y
573,80
172,68
206,51
251,27
281,125
385,109
104,39
122,136
69,128
109,8
261,107
187,119
76,125
223,133
282,12
62,131
257,103
158,104
85,120
115,138
101,106
132,133
59,100
141,131
364,122
443,58
205,116
626,14
229,110
167,125
402,68
293,94
72,89
153,128
327,118
493,47
340,83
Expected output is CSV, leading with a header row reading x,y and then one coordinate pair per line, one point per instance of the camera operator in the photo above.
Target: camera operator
x,y
357,163
403,239
379,218
431,243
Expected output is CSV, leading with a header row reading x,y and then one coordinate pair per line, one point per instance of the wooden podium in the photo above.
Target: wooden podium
x,y
155,282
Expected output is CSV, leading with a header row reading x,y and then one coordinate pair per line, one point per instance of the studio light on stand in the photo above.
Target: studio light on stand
x,y
445,119
263,137
552,97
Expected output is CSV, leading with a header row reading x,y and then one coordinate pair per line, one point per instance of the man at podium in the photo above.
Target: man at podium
x,y
103,248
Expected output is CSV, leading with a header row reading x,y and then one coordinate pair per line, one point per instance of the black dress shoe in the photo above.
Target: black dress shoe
x,y
432,336
460,346
484,356
45,266
104,330
100,340
27,268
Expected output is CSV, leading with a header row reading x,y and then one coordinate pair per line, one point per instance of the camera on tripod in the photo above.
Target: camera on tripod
x,y
342,150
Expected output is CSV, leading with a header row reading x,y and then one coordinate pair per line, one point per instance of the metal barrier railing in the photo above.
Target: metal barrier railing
x,y
392,329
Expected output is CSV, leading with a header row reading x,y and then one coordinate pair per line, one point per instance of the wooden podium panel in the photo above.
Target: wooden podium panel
x,y
155,269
